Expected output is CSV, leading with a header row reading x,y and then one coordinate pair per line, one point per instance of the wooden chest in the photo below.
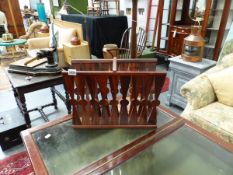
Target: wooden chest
x,y
11,123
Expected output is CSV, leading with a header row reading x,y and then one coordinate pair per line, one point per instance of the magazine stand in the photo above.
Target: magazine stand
x,y
106,94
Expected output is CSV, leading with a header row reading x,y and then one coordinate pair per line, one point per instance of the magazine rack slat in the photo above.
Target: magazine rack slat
x,y
102,98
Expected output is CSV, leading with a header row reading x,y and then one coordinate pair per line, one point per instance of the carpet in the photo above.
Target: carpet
x,y
165,85
17,164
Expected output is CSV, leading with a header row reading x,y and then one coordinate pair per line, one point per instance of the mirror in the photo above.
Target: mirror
x,y
197,10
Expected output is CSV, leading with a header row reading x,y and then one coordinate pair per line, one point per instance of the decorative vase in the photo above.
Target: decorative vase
x,y
75,41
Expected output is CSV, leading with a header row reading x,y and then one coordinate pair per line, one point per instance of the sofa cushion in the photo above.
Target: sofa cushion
x,y
62,35
65,35
216,118
223,86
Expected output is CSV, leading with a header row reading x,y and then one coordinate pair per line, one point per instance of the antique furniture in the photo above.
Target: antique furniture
x,y
34,31
22,85
180,28
180,72
121,53
124,51
14,18
105,95
108,54
73,52
193,45
11,124
208,99
140,40
11,50
98,8
100,30
58,148
216,25
103,7
63,31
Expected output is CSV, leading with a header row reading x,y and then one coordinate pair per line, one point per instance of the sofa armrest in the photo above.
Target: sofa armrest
x,y
38,43
198,92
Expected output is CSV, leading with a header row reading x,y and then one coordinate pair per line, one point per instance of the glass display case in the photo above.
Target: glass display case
x,y
176,27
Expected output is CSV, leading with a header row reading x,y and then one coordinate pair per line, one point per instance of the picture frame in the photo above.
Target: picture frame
x,y
56,3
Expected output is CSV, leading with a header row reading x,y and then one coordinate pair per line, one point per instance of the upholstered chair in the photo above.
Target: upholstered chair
x,y
210,99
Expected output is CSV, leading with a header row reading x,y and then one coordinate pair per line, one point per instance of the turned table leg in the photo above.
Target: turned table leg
x,y
54,97
68,106
24,110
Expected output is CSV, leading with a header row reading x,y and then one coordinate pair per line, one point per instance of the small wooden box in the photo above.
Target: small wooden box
x,y
11,124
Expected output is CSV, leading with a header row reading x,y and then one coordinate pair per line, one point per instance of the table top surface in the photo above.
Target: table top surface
x,y
175,147
13,43
21,80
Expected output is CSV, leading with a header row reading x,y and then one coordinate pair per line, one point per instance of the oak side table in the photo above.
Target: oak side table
x,y
21,86
180,72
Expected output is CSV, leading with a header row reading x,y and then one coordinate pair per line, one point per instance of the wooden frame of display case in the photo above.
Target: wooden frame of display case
x,y
186,30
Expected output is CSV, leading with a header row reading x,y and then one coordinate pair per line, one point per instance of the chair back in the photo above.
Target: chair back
x,y
119,53
102,98
141,40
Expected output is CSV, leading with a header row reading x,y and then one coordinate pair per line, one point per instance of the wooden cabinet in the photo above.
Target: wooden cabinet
x,y
180,72
215,26
178,33
221,15
14,17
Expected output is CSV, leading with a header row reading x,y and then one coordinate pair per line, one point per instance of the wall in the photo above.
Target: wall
x,y
79,4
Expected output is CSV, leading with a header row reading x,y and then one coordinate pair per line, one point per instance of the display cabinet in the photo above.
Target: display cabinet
x,y
219,23
215,25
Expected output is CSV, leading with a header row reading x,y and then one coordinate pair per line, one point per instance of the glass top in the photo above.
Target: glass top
x,y
13,43
182,152
68,150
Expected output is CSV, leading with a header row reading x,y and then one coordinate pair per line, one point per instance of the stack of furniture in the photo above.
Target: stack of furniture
x,y
100,30
172,30
63,32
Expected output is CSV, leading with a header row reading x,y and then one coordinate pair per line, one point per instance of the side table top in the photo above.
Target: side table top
x,y
13,43
20,80
205,63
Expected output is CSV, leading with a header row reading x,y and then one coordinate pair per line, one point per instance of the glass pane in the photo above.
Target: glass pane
x,y
68,150
182,152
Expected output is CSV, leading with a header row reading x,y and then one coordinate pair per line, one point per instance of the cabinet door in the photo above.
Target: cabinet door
x,y
220,19
14,17
177,39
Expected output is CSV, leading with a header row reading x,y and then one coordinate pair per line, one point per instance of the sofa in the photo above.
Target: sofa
x,y
210,99
63,31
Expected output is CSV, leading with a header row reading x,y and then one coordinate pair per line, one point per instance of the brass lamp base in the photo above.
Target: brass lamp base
x,y
191,58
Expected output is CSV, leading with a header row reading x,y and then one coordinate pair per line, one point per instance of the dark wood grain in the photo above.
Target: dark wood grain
x,y
125,97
